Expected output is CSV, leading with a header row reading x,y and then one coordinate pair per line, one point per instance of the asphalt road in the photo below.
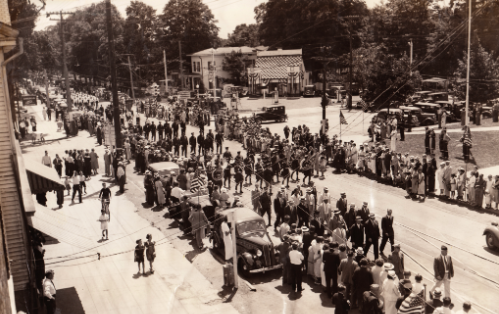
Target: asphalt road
x,y
420,228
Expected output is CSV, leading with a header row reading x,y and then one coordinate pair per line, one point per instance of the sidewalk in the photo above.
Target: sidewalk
x,y
111,284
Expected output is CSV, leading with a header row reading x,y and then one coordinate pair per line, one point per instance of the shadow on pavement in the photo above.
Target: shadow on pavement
x,y
70,301
227,294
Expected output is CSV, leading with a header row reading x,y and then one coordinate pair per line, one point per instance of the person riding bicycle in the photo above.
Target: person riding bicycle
x,y
105,197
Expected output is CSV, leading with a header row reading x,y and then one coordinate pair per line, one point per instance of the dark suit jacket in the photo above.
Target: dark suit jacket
x,y
331,262
372,230
277,205
357,234
387,225
362,280
341,204
439,268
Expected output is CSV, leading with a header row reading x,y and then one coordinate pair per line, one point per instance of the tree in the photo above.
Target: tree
x,y
244,35
141,37
191,23
235,64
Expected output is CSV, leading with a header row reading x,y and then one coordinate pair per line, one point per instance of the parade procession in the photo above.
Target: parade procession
x,y
321,157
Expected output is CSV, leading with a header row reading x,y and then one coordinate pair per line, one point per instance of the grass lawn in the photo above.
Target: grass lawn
x,y
485,148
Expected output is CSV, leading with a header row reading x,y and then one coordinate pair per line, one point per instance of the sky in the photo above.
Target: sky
x,y
229,13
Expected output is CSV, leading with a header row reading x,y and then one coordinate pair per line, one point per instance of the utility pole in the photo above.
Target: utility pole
x,y
131,76
46,79
350,18
468,69
166,73
410,62
116,105
64,66
180,64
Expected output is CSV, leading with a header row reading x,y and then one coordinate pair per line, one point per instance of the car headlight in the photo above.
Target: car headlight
x,y
258,253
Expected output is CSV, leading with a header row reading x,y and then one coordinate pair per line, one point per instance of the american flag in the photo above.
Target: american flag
x,y
197,182
413,304
467,141
342,119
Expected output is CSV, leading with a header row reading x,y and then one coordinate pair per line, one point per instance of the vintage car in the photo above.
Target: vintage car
x,y
276,113
164,168
491,234
309,91
255,250
428,115
383,115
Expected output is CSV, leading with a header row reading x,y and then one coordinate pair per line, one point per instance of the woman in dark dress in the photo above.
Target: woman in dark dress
x,y
139,255
480,186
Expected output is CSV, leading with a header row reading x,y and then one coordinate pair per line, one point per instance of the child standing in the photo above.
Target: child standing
x,y
67,184
104,218
453,185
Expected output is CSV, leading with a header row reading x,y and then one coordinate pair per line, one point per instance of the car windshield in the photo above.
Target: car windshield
x,y
251,227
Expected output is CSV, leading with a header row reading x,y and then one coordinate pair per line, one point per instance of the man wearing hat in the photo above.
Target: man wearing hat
x,y
435,302
266,203
279,205
387,228
372,234
341,204
397,259
357,233
325,212
390,293
444,271
331,263
346,271
303,212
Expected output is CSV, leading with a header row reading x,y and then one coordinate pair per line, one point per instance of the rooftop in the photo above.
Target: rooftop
x,y
226,50
279,52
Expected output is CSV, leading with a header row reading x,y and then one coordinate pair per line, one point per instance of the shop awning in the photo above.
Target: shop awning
x,y
62,227
42,178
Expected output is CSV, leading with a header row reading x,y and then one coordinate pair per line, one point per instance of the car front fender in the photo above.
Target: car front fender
x,y
493,231
248,258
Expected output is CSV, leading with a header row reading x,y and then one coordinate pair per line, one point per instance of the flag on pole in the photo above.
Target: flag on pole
x,y
413,304
342,118
197,182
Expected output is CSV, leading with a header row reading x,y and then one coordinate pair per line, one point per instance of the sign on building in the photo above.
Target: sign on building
x,y
29,100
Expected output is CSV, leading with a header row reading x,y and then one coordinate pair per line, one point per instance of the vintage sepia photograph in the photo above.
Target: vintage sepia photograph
x,y
249,156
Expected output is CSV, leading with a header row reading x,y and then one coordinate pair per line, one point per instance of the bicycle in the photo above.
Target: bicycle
x,y
105,206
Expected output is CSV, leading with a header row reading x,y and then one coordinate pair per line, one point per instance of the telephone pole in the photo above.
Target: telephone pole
x,y
131,76
180,64
349,19
166,73
64,66
410,58
116,105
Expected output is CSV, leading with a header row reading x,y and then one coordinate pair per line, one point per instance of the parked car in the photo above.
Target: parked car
x,y
416,113
419,96
491,234
309,91
438,96
428,114
256,252
276,113
383,115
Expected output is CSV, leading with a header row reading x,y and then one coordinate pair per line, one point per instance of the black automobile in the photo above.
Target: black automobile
x,y
256,252
309,91
275,113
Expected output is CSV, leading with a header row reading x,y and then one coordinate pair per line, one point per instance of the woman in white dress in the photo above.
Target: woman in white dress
x,y
310,261
323,274
317,250
393,140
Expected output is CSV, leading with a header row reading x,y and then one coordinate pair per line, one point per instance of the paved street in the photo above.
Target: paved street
x,y
420,228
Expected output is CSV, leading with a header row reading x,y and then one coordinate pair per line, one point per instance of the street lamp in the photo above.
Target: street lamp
x,y
197,90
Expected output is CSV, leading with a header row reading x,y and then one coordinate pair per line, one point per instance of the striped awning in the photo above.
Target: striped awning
x,y
43,179
275,67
